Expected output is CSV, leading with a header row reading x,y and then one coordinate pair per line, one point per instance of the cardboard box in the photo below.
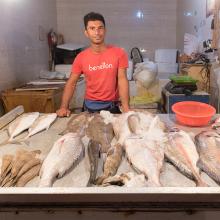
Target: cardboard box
x,y
200,72
44,101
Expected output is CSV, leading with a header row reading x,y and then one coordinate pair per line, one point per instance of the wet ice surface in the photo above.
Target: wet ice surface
x,y
78,175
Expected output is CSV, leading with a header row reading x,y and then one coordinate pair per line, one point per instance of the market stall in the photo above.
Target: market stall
x,y
71,190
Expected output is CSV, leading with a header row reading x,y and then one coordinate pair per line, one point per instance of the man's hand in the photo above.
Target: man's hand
x,y
63,112
125,109
67,95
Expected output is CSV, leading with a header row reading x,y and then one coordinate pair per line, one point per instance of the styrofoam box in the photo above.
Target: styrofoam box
x,y
64,68
167,68
166,55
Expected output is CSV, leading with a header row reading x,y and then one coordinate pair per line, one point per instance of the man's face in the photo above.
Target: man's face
x,y
95,31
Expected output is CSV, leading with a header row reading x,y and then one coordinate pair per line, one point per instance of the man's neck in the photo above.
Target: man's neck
x,y
98,48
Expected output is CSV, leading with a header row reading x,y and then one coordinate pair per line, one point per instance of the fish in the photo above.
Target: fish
x,y
145,159
6,166
146,154
208,147
77,124
19,125
181,151
93,152
113,160
100,132
42,123
126,179
64,153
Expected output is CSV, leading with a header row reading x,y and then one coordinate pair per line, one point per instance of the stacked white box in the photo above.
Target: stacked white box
x,y
166,60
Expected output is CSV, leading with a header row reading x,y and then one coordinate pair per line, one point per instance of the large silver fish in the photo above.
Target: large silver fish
x,y
208,147
181,151
65,151
93,152
100,132
146,160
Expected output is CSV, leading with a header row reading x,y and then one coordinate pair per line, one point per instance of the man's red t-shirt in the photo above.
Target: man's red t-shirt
x,y
101,71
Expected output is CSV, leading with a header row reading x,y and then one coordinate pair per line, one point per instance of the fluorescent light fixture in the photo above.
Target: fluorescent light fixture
x,y
139,14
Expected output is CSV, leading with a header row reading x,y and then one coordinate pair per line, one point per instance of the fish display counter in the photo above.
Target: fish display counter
x,y
71,190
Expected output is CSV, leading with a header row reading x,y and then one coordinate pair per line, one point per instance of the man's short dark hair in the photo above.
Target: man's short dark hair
x,y
93,16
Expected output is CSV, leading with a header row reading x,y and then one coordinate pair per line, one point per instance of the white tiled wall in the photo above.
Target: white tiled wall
x,y
22,53
191,18
155,29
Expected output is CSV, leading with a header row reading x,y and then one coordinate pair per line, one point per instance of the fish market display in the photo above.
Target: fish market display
x,y
100,132
21,124
126,179
113,160
42,123
65,151
77,124
208,147
181,151
93,152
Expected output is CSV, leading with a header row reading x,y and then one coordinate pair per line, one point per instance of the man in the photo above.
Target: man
x,y
104,68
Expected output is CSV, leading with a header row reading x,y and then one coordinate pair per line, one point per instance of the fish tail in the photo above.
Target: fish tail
x,y
89,184
201,183
45,183
153,183
91,178
100,179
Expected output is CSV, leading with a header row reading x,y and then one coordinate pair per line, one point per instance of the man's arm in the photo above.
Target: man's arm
x,y
67,95
123,88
